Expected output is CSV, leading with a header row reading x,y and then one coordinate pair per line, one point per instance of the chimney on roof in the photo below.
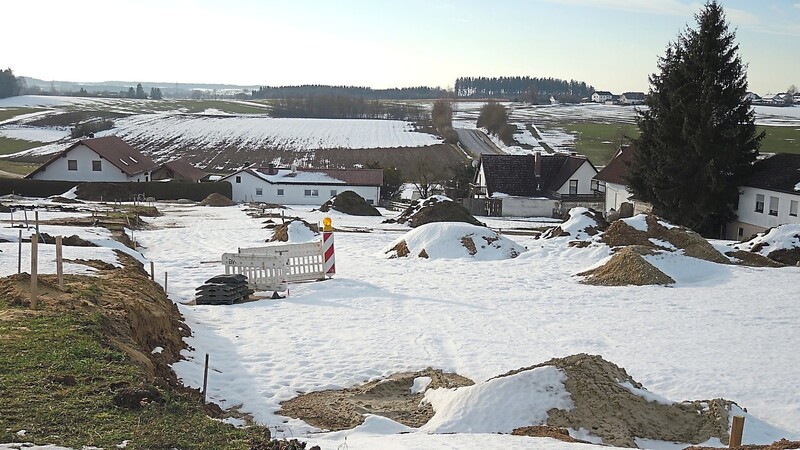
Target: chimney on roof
x,y
294,167
537,164
271,170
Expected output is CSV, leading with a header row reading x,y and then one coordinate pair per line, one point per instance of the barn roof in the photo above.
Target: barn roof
x,y
114,150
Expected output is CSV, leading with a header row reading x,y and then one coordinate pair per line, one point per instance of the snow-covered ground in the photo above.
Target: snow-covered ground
x,y
720,331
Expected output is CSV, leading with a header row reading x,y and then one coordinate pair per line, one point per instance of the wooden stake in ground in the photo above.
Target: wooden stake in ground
x,y
36,215
19,254
152,271
166,274
205,379
34,271
737,429
59,263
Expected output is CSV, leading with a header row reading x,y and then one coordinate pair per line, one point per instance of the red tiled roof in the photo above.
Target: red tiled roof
x,y
114,150
616,171
183,169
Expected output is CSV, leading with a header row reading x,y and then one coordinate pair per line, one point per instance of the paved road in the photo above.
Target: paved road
x,y
475,142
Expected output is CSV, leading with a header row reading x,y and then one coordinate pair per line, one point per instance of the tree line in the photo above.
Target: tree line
x,y
333,106
406,93
9,84
531,89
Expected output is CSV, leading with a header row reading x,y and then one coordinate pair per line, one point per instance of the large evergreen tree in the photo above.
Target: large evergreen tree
x,y
698,140
9,85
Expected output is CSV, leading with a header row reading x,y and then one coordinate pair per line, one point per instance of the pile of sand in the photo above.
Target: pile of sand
x,y
581,224
627,267
780,244
348,202
657,234
434,209
216,199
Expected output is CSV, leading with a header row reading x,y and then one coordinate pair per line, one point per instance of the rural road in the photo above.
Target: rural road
x,y
475,142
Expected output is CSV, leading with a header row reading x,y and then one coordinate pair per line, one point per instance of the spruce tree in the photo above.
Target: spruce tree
x,y
698,138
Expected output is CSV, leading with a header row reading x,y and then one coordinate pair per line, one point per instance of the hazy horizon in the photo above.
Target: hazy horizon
x,y
611,44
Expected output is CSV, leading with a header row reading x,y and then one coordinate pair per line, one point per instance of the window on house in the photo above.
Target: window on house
x,y
312,192
759,203
333,192
793,208
280,191
594,185
259,191
72,164
97,166
238,179
573,187
773,206
740,232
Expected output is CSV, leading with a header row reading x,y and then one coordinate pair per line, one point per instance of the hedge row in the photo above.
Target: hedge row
x,y
172,190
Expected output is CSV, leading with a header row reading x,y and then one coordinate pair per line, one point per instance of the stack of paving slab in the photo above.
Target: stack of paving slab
x,y
223,290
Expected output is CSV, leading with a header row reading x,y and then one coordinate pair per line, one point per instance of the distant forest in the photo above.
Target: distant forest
x,y
408,93
528,89
330,106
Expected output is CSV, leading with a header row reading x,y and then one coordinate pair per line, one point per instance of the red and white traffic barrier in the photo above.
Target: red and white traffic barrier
x,y
329,265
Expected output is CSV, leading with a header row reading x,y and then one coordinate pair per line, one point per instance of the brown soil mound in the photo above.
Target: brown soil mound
x,y
746,258
789,257
4,208
783,444
401,250
626,267
348,202
216,199
280,233
136,313
434,210
59,199
617,415
390,397
620,234
72,241
600,225
561,434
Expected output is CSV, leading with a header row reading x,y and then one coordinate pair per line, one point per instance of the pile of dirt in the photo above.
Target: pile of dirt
x,y
392,397
434,209
780,244
60,199
661,235
280,233
580,223
216,199
137,316
782,444
627,267
750,259
615,407
71,241
348,202
561,434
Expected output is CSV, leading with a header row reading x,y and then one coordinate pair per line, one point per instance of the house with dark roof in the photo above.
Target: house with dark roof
x,y
612,181
632,98
543,185
770,197
107,159
303,186
179,170
601,96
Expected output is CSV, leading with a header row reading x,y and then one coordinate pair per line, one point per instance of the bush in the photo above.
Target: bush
x,y
172,190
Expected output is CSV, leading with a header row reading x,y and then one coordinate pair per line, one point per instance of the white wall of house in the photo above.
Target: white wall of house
x,y
584,175
83,158
748,215
616,194
528,207
250,188
600,98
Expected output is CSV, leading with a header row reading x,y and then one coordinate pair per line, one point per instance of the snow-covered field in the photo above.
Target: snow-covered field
x,y
720,331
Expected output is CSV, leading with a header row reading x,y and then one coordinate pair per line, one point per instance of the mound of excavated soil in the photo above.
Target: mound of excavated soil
x,y
783,444
216,199
745,258
581,223
561,434
72,241
434,209
618,415
348,202
626,267
280,233
661,235
781,244
392,397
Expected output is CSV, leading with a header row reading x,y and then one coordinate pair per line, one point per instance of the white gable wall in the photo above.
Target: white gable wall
x,y
59,168
616,195
293,194
747,208
584,175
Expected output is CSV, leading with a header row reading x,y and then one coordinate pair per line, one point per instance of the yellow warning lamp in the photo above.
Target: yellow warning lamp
x,y
327,224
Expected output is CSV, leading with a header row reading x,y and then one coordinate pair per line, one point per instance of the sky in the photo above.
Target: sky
x,y
611,44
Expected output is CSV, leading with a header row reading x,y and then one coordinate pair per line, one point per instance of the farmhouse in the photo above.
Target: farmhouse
x,y
632,98
612,181
303,186
107,159
601,96
532,185
770,197
179,170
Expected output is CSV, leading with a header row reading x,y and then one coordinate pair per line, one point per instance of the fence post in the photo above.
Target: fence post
x,y
36,215
737,429
34,271
12,217
166,274
205,379
152,271
19,254
59,263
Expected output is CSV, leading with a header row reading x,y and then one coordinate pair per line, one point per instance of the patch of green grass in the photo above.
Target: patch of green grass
x,y
780,140
599,141
39,352
10,113
19,168
11,145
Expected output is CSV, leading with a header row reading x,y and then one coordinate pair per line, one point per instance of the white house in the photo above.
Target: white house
x,y
632,98
303,186
107,159
769,198
601,96
611,179
535,185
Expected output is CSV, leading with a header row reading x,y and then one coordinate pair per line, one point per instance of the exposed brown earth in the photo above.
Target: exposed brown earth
x,y
627,267
348,202
216,199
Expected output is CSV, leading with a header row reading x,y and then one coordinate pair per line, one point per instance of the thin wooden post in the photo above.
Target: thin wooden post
x,y
12,217
737,429
27,226
34,271
59,263
165,282
205,379
36,215
19,253
152,271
